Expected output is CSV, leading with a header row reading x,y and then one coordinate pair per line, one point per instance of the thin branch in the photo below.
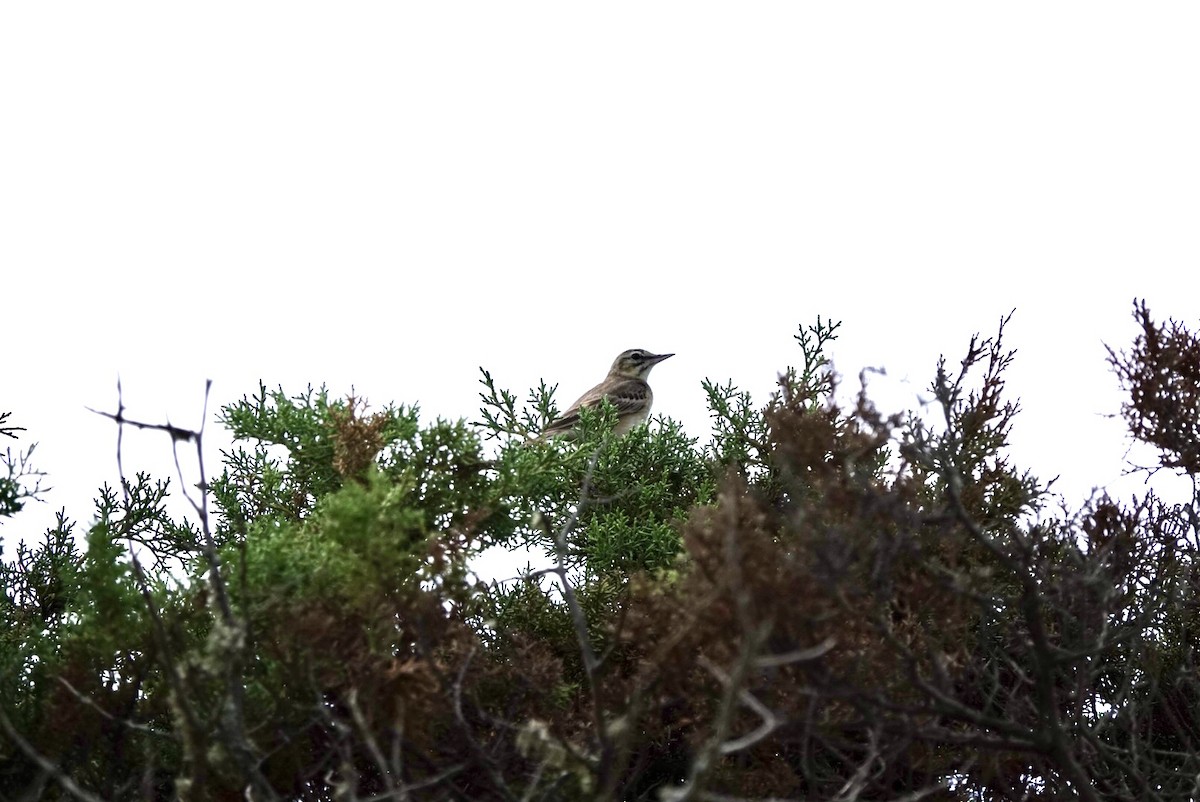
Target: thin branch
x,y
193,744
133,725
364,733
501,786
233,710
177,433
9,430
854,786
797,656
753,635
47,766
578,618
402,792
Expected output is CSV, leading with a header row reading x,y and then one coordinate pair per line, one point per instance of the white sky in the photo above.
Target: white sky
x,y
389,195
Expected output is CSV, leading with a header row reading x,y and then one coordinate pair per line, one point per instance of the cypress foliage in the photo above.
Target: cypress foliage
x,y
817,602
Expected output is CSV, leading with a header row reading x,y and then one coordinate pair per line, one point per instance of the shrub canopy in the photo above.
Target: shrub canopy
x,y
818,602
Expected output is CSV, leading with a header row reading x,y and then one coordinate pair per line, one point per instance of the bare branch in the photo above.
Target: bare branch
x,y
232,642
48,767
133,725
869,766
797,656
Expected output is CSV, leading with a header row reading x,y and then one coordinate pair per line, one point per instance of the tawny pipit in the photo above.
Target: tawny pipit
x,y
625,388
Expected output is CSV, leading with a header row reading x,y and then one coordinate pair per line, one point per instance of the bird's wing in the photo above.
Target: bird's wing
x,y
629,396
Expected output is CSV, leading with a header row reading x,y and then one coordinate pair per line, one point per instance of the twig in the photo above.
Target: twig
x,y
484,758
862,775
575,609
754,633
770,722
133,725
797,656
47,766
385,771
232,716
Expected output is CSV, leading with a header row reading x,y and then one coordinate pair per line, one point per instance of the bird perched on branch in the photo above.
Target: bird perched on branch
x,y
625,388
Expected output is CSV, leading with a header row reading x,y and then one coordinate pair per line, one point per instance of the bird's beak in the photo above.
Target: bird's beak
x,y
654,360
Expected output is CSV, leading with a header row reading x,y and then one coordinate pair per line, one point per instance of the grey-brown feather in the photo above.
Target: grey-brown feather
x,y
628,397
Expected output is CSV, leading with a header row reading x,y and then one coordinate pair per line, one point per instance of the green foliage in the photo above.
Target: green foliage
x,y
18,470
648,477
501,418
361,543
138,515
76,632
39,586
259,482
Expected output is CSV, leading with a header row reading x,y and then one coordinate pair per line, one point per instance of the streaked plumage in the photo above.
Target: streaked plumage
x,y
625,388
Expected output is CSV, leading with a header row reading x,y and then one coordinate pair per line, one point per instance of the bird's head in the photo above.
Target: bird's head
x,y
636,363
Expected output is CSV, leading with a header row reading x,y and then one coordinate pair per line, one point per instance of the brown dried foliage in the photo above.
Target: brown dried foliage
x,y
835,560
358,437
1161,374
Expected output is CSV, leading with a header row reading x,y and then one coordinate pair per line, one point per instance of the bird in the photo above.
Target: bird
x,y
625,388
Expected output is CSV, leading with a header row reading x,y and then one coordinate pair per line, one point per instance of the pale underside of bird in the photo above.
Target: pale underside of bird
x,y
624,387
